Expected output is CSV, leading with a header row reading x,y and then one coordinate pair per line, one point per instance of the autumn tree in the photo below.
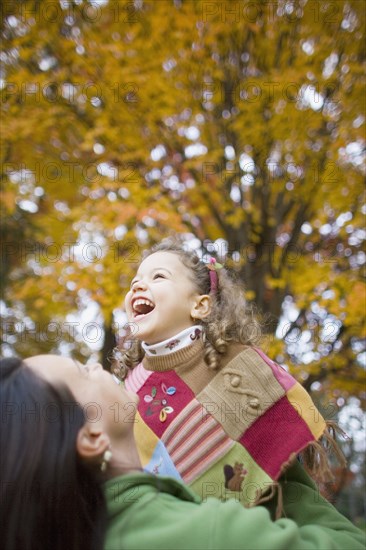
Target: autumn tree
x,y
239,123
275,112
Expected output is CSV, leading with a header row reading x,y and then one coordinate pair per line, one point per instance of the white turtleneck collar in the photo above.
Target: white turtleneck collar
x,y
181,340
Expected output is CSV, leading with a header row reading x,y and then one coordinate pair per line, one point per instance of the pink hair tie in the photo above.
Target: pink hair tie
x,y
213,266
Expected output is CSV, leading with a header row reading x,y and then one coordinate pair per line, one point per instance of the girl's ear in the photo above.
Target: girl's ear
x,y
91,442
202,307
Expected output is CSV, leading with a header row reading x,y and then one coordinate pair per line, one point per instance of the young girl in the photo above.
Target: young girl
x,y
214,410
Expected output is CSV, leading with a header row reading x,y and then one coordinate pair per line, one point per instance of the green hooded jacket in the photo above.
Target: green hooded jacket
x,y
147,512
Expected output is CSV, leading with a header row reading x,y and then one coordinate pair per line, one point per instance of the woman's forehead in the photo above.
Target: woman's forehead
x,y
51,367
52,361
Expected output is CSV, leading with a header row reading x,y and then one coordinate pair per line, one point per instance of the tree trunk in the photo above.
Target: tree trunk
x,y
108,345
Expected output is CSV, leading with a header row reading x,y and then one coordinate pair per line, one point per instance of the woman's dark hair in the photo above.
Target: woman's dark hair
x,y
49,498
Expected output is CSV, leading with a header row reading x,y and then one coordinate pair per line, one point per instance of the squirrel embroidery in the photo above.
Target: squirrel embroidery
x,y
234,476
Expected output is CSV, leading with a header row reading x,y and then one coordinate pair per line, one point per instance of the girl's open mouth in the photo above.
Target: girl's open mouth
x,y
142,306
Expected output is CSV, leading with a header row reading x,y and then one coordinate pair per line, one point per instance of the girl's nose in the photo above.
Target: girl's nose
x,y
138,285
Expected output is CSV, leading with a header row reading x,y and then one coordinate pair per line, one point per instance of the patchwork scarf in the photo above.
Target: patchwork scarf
x,y
228,433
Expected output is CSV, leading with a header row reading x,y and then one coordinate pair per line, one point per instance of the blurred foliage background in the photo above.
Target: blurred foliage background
x,y
240,124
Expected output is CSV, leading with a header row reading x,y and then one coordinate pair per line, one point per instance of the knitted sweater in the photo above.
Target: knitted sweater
x,y
228,433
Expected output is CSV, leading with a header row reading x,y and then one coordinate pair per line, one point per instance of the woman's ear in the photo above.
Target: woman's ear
x,y
91,442
202,307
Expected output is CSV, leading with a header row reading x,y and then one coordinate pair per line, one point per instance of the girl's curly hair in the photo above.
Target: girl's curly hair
x,y
231,318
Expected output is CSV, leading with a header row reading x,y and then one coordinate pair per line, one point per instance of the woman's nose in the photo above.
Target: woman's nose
x,y
95,366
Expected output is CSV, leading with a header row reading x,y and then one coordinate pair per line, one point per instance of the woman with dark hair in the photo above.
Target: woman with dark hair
x,y
49,499
67,435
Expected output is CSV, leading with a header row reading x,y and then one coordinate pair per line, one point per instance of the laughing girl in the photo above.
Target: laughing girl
x,y
214,410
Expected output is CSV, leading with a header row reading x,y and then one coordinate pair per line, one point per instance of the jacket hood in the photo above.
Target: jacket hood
x,y
123,491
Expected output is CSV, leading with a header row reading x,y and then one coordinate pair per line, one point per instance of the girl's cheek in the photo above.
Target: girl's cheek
x,y
128,308
127,300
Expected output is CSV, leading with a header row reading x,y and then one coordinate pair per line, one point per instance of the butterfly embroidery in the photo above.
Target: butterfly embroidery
x,y
159,405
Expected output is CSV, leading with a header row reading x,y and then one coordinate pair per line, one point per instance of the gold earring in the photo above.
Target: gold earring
x,y
106,459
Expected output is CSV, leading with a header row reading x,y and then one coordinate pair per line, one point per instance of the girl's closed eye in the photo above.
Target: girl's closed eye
x,y
159,275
